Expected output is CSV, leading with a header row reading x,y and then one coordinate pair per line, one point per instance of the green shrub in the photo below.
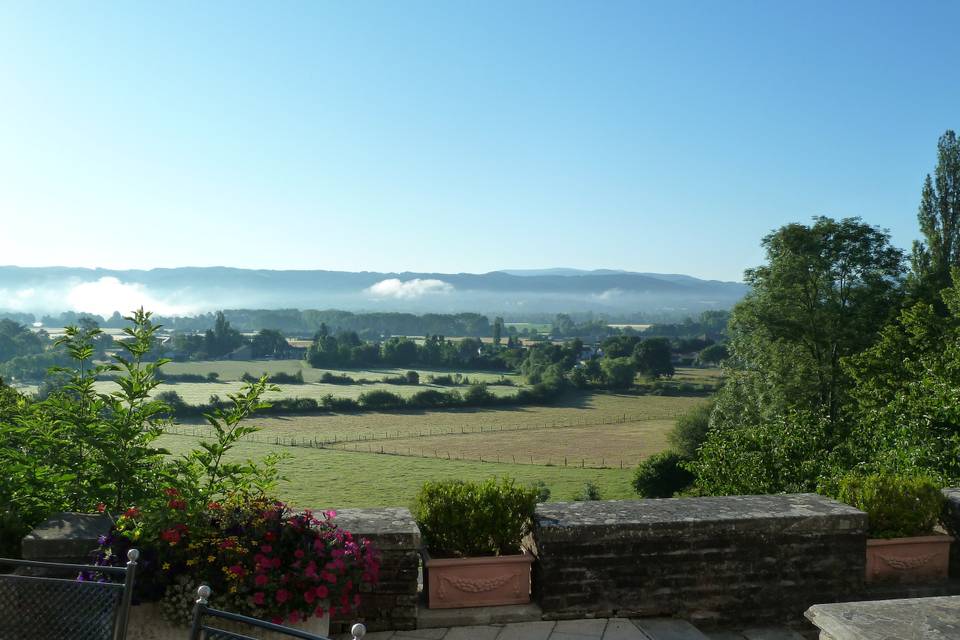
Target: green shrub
x,y
478,396
589,492
897,506
690,431
282,377
463,519
379,399
213,376
661,475
330,378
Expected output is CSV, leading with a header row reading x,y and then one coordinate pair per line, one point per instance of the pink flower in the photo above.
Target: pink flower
x,y
170,491
101,507
309,596
298,553
258,598
180,505
237,570
282,595
266,548
318,612
261,580
132,512
322,592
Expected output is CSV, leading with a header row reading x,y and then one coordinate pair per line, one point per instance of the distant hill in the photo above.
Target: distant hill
x,y
194,289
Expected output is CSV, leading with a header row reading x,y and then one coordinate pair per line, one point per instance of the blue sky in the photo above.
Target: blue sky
x,y
461,136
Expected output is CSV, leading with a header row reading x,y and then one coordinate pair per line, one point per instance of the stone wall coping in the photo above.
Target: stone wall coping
x,y
388,527
882,619
65,537
686,511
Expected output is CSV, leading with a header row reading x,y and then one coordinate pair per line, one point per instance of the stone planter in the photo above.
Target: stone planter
x,y
147,623
917,559
477,582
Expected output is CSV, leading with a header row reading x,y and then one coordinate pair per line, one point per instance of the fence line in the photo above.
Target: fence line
x,y
368,445
337,439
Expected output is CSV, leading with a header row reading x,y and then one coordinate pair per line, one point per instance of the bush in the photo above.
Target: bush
x,y
330,378
429,398
379,399
897,506
463,519
213,376
333,403
413,377
661,475
543,491
589,492
286,378
690,431
479,396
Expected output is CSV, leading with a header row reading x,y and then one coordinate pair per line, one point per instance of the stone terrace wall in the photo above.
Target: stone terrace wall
x,y
730,559
392,604
951,518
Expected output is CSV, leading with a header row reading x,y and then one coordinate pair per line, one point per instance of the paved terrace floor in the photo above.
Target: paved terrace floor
x,y
594,629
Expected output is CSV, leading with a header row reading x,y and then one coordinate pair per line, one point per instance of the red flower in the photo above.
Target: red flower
x,y
177,504
309,596
322,592
132,512
266,548
318,612
261,580
215,506
282,595
298,553
258,598
171,535
269,536
237,570
101,507
170,491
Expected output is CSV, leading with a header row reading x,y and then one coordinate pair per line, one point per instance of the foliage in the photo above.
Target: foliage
x,y
589,492
783,417
618,373
653,357
259,556
661,475
691,430
897,506
713,354
542,490
939,218
459,518
222,339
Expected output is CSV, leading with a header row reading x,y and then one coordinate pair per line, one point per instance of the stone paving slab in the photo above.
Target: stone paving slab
x,y
527,631
585,629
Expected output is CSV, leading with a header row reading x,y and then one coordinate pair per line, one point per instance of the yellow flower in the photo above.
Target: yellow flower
x,y
233,589
210,558
166,566
190,563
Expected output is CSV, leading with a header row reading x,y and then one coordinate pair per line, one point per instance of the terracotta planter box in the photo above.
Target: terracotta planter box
x,y
477,582
918,559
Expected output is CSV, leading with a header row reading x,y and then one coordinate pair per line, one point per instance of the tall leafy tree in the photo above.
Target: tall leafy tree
x,y
824,293
939,218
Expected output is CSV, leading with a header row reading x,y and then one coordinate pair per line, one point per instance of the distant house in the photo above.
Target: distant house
x,y
590,352
240,353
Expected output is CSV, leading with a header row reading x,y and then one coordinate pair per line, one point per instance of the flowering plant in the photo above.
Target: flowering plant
x,y
263,558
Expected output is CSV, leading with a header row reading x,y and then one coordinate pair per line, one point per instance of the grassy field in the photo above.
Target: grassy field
x,y
326,478
234,369
345,459
577,409
230,372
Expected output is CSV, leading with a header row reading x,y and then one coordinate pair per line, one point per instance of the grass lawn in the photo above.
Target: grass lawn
x,y
326,478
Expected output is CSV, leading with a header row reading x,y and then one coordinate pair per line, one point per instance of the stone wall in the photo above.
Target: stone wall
x,y
391,604
738,559
951,518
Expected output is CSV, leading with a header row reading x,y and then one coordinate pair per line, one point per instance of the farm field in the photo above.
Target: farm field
x,y
234,369
328,478
577,409
564,445
230,372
